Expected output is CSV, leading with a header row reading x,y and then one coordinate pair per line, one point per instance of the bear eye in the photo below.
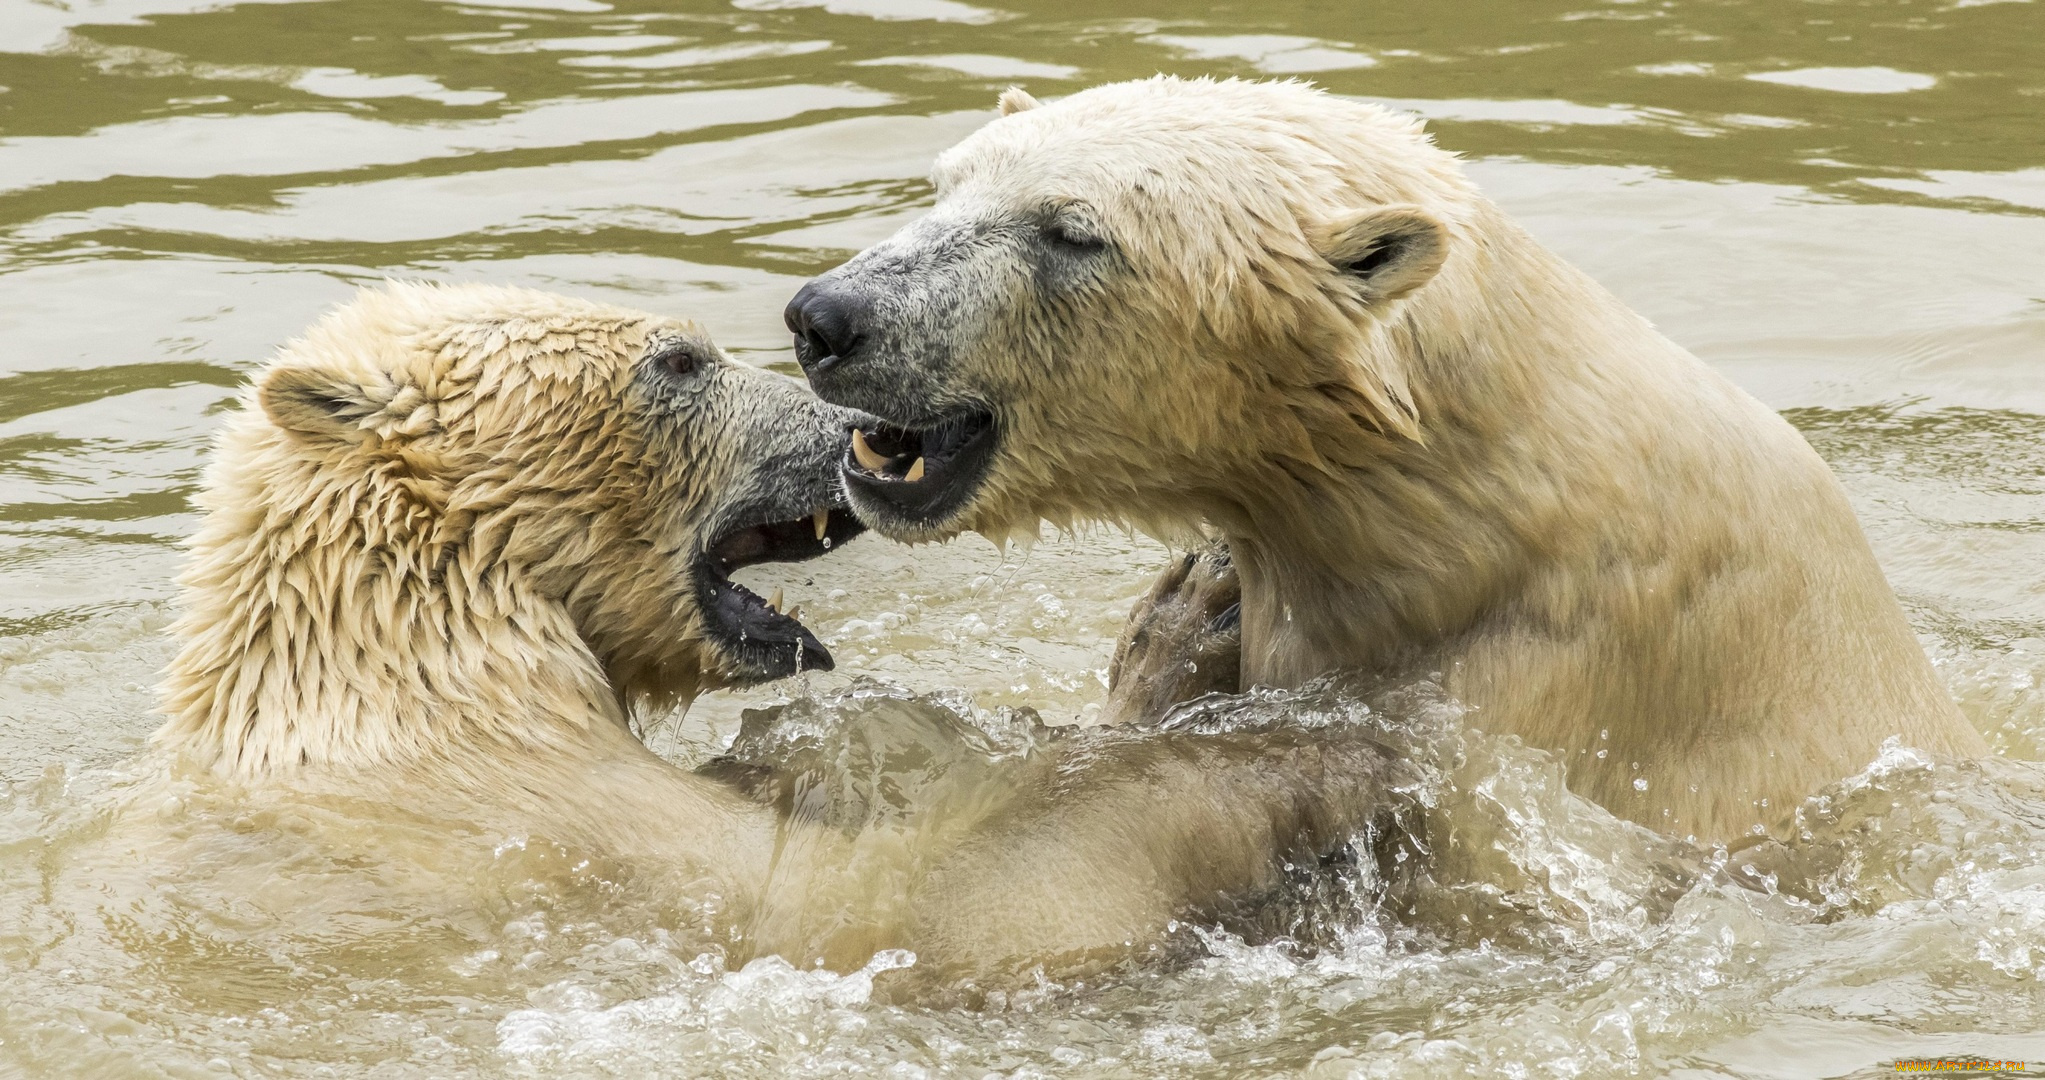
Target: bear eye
x,y
679,357
1073,235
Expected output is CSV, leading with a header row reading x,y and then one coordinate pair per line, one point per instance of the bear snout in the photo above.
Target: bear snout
x,y
828,324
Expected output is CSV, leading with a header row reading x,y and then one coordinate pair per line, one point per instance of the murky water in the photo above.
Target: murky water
x,y
1841,204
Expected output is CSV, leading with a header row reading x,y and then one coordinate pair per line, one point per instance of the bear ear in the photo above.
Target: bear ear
x,y
1393,250
1015,99
315,406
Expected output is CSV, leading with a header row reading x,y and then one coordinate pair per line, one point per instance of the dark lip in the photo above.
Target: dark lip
x,y
955,454
764,644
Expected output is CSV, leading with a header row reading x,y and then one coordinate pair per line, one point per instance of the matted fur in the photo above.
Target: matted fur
x,y
1446,451
435,565
448,537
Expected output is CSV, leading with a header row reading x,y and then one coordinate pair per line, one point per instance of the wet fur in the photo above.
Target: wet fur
x,y
1429,443
444,551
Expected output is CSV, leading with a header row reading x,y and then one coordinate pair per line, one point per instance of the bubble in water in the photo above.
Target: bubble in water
x,y
1640,783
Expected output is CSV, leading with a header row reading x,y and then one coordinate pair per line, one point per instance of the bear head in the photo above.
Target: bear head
x,y
438,491
1130,304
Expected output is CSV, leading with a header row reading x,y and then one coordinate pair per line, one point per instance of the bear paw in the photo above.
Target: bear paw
x,y
1183,639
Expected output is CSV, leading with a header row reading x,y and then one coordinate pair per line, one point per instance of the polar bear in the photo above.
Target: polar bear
x,y
454,533
1266,313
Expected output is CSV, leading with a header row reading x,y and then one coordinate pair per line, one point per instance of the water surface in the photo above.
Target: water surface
x,y
1840,204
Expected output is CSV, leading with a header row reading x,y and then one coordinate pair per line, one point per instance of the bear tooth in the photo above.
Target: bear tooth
x,y
915,472
793,612
774,601
865,454
822,520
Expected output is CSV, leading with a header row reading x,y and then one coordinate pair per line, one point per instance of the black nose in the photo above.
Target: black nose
x,y
827,327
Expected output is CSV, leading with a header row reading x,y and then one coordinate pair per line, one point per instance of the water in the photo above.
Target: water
x,y
1841,205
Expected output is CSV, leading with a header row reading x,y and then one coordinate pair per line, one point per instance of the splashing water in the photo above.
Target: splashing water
x,y
1490,920
191,183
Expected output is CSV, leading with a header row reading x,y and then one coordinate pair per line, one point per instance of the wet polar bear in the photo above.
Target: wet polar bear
x,y
1430,445
453,534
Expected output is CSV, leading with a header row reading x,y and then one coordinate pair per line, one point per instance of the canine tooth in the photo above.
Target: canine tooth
x,y
864,454
822,520
774,601
794,611
915,472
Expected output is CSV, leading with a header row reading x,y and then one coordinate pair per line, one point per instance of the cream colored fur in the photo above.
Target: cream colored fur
x,y
445,547
1430,444
343,591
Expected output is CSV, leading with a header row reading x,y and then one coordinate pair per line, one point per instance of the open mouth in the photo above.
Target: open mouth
x,y
921,474
767,642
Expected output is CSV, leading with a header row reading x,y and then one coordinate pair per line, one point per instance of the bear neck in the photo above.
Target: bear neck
x,y
1380,553
318,632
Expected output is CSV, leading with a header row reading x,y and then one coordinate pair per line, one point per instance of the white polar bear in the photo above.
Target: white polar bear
x,y
1430,444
